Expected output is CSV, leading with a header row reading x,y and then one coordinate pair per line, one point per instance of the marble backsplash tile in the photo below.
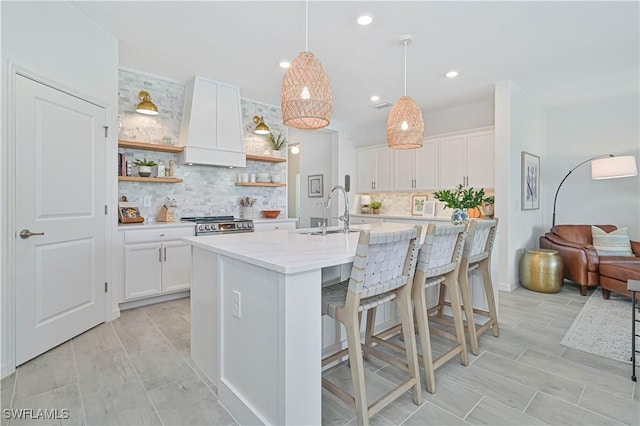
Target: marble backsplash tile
x,y
205,190
396,203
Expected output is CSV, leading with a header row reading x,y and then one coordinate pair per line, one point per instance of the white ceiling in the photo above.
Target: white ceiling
x,y
559,52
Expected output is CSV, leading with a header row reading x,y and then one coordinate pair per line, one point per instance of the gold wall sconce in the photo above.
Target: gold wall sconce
x,y
146,106
261,128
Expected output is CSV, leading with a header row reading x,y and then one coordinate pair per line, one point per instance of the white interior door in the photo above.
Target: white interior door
x,y
60,192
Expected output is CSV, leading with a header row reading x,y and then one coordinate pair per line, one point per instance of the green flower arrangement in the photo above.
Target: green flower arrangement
x,y
375,205
462,198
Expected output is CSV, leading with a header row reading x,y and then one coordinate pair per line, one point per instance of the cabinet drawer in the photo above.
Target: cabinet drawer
x,y
157,234
273,226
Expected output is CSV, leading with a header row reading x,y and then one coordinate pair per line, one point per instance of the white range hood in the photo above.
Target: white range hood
x,y
212,125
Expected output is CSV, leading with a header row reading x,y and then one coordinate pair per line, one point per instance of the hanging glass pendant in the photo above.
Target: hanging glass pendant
x,y
306,94
405,126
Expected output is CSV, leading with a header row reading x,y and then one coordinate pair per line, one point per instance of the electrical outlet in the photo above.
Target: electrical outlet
x,y
146,201
236,307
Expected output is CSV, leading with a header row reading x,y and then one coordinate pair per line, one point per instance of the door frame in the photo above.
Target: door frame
x,y
8,192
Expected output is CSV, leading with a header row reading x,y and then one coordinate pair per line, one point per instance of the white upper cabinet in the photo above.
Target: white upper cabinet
x,y
467,159
375,169
212,124
417,169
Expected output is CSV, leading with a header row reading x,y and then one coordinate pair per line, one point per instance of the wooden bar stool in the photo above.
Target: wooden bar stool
x,y
476,255
438,263
383,270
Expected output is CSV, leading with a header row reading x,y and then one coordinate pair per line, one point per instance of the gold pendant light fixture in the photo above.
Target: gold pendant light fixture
x,y
405,126
306,91
146,106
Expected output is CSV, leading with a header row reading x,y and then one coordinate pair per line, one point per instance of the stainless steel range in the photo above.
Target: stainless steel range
x,y
209,225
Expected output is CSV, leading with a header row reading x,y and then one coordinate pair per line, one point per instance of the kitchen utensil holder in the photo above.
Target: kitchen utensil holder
x,y
246,212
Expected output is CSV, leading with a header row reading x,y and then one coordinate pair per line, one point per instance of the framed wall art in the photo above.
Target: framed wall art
x,y
530,197
417,204
316,186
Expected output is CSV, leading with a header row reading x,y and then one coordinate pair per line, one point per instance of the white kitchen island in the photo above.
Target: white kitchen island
x,y
256,327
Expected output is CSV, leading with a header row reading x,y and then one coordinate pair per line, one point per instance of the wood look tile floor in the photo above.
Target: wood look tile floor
x,y
137,371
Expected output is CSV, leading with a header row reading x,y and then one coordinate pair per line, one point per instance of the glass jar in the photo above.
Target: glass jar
x,y
161,169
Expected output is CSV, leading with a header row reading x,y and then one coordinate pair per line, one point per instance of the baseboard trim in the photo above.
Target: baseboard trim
x,y
509,287
235,405
151,300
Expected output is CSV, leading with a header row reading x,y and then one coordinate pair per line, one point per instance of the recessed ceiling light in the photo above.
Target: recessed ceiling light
x,y
375,98
364,19
285,64
452,74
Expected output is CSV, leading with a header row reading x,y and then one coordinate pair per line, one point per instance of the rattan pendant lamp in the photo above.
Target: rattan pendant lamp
x,y
405,126
306,92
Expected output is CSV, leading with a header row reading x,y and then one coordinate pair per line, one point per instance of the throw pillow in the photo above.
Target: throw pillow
x,y
615,243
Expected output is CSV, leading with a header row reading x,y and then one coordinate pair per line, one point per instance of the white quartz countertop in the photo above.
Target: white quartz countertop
x,y
152,225
290,252
410,217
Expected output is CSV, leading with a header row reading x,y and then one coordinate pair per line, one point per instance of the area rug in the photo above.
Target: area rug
x,y
603,327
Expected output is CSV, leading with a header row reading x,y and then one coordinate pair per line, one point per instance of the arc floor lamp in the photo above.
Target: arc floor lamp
x,y
603,167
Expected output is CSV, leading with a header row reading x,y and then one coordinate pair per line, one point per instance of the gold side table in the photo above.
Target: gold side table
x,y
541,270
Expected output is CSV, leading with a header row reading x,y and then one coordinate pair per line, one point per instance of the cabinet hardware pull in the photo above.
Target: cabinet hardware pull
x,y
165,254
159,254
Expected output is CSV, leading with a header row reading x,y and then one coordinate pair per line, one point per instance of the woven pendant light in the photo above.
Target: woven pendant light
x,y
405,126
306,92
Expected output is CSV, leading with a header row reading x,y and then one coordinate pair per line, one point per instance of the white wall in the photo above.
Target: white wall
x,y
519,126
57,42
315,159
578,132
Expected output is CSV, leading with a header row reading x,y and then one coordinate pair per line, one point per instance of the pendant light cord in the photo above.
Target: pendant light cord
x,y
306,26
405,67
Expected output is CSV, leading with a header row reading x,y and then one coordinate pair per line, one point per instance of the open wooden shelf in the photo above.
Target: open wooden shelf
x,y
149,179
266,159
150,146
272,185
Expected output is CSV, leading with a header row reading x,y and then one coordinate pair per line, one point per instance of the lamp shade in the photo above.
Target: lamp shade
x,y
365,200
614,167
146,106
405,126
306,94
261,128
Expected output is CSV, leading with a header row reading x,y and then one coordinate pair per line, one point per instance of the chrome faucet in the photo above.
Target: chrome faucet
x,y
345,217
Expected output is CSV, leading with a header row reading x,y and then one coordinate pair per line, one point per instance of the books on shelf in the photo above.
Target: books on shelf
x,y
125,166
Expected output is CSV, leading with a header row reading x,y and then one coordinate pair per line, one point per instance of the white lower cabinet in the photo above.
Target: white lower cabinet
x,y
156,262
365,219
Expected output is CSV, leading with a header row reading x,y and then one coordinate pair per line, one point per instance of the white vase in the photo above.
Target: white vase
x,y
276,153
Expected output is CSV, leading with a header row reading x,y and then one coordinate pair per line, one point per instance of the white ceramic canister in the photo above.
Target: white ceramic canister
x,y
275,178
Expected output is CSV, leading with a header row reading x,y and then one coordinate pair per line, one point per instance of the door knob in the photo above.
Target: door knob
x,y
25,233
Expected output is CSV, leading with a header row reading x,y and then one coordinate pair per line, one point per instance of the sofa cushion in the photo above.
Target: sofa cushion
x,y
579,233
614,243
621,272
619,260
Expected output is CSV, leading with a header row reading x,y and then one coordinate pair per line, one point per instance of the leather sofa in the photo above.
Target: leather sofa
x,y
581,263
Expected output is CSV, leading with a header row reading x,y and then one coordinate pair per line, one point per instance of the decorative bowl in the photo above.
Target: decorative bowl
x,y
270,214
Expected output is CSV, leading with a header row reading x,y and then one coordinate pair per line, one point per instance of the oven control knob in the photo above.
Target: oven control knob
x,y
207,227
214,227
241,225
200,227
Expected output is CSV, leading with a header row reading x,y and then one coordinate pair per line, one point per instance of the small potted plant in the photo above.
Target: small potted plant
x,y
487,206
144,167
277,143
376,206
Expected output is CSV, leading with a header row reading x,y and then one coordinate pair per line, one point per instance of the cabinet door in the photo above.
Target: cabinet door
x,y
229,119
262,226
202,128
452,161
404,169
366,169
142,270
384,170
480,160
426,166
176,266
